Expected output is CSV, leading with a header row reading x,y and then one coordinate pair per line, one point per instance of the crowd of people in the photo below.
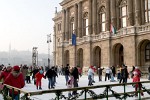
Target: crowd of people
x,y
18,76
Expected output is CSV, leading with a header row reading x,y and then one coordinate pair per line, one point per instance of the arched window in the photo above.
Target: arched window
x,y
72,25
123,13
147,11
85,24
147,52
102,17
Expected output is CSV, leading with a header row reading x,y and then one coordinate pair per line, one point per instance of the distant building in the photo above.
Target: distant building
x,y
108,32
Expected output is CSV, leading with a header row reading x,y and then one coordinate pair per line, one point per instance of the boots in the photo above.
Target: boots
x,y
40,88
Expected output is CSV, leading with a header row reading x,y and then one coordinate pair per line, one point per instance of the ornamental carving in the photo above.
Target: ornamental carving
x,y
101,3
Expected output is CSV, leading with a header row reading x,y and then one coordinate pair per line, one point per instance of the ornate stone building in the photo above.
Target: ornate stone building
x,y
96,45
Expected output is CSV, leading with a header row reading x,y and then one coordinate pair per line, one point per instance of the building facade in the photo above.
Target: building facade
x,y
108,32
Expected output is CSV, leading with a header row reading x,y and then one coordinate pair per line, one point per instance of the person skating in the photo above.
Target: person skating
x,y
100,70
38,78
70,84
137,86
15,79
90,75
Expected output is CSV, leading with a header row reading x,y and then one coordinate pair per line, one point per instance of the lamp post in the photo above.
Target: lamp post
x,y
49,41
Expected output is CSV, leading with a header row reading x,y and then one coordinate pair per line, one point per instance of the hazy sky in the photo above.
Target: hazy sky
x,y
25,24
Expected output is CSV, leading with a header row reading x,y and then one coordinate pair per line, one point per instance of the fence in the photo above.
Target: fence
x,y
87,93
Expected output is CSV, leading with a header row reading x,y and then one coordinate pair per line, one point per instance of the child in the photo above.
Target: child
x,y
118,75
70,84
112,78
38,77
136,78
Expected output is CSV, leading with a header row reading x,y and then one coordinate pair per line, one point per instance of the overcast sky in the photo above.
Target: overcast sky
x,y
25,24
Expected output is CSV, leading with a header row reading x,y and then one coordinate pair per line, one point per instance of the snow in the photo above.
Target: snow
x,y
83,81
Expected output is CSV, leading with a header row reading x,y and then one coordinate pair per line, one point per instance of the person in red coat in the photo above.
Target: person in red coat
x,y
5,73
137,86
15,79
138,71
38,78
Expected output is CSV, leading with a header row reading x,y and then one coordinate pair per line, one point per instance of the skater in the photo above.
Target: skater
x,y
67,73
137,86
75,74
70,84
90,75
38,78
15,79
107,75
100,70
50,75
118,75
5,73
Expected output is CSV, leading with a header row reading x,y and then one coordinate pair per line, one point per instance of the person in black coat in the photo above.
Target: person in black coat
x,y
50,75
66,70
113,70
75,74
100,73
124,74
35,70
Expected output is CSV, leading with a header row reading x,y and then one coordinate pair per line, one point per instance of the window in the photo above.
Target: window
x,y
123,13
72,25
103,22
147,11
147,52
59,27
85,24
102,19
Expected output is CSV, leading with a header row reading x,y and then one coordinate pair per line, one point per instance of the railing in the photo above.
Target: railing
x,y
84,93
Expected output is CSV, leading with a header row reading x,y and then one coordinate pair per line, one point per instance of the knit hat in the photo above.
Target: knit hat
x,y
16,68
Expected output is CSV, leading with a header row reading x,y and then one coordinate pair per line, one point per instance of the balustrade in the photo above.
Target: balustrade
x,y
105,35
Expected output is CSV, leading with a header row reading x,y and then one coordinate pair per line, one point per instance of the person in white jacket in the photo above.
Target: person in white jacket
x,y
90,76
108,73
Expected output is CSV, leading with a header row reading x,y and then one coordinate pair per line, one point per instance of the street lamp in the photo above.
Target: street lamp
x,y
49,41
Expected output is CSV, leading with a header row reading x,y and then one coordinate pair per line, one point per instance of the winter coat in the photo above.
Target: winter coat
x,y
4,75
75,73
15,80
49,73
90,72
24,71
108,70
138,72
34,72
100,71
67,71
136,79
39,76
124,73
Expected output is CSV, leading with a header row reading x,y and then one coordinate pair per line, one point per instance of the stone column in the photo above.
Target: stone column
x,y
63,24
76,19
137,12
113,13
75,30
90,18
63,35
108,15
67,24
130,12
94,17
80,19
